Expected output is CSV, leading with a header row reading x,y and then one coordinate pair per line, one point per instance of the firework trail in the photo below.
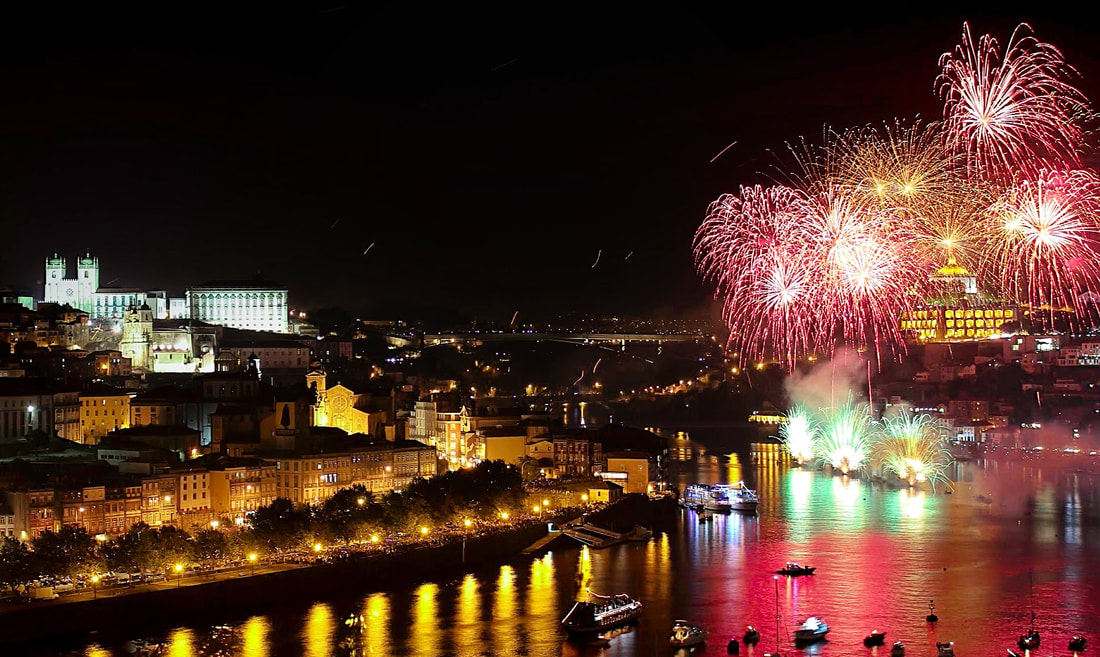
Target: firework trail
x,y
598,361
799,434
599,252
368,248
732,144
1012,110
514,316
845,436
912,447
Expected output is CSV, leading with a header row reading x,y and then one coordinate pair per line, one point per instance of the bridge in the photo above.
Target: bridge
x,y
436,339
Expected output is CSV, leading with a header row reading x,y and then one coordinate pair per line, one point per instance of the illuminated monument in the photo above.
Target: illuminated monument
x,y
78,292
960,314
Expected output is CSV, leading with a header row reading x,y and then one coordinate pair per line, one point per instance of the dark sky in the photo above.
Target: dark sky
x,y
488,155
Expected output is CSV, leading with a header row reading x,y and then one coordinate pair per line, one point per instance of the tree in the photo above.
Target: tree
x,y
211,546
69,552
343,515
15,562
280,525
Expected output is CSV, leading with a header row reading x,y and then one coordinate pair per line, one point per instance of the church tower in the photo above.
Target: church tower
x,y
87,282
137,334
315,381
55,275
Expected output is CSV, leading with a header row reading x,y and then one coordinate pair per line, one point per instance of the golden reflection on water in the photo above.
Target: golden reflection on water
x,y
376,621
912,501
181,643
733,469
658,553
542,600
504,611
424,634
468,618
96,651
317,638
254,637
584,574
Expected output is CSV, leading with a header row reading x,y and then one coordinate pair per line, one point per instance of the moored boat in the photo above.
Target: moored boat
x,y
739,496
1078,643
703,497
945,649
639,534
812,629
875,638
685,634
793,569
898,649
752,636
601,612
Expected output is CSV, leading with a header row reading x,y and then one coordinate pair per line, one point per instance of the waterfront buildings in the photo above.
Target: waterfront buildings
x,y
314,476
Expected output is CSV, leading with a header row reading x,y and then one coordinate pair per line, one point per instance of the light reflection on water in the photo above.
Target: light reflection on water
x,y
882,555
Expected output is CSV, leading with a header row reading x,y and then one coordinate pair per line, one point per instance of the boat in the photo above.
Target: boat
x,y
684,634
945,649
603,613
812,629
703,497
898,649
639,534
1078,643
875,638
705,516
794,570
739,496
752,636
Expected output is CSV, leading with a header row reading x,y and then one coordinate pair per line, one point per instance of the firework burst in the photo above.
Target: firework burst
x,y
845,436
1043,247
912,447
799,434
1012,110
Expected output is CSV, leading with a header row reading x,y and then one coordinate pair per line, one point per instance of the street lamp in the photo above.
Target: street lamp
x,y
179,574
584,497
504,515
374,538
316,547
423,531
214,525
95,581
252,557
361,501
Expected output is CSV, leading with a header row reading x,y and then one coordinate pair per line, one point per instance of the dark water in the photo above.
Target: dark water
x,y
881,556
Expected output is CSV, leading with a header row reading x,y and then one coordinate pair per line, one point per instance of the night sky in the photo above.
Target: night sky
x,y
488,155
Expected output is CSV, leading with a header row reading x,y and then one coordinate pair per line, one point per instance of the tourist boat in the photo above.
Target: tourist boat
x,y
898,649
603,613
739,496
813,629
945,649
1078,643
875,638
752,636
793,569
684,634
705,498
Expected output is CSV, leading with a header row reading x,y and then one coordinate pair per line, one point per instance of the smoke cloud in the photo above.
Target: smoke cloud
x,y
830,382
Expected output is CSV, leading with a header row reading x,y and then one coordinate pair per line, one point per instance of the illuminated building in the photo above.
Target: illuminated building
x,y
380,467
137,334
341,407
84,292
103,409
958,323
255,305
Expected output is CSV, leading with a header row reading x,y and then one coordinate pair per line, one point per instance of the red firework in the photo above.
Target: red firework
x,y
1044,235
1011,112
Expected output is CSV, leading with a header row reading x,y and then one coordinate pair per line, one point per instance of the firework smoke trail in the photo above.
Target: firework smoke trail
x,y
799,434
1044,246
845,436
912,447
1010,112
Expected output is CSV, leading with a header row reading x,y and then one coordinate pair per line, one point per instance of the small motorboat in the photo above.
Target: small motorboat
x,y
794,570
752,636
705,516
1078,643
639,534
945,649
812,629
685,634
898,649
733,647
1029,641
875,638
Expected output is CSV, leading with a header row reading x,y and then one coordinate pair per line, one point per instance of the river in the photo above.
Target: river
x,y
881,555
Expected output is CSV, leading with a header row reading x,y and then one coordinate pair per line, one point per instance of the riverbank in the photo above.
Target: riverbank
x,y
133,614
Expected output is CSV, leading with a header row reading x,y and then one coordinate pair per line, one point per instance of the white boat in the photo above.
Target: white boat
x,y
813,629
704,497
739,496
685,634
